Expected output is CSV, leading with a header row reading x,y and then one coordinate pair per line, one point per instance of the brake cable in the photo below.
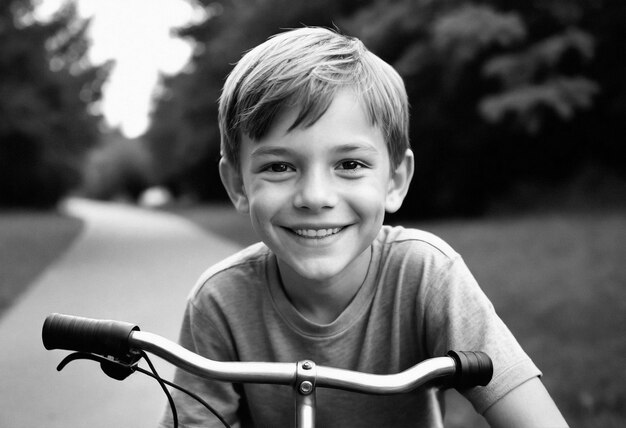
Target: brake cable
x,y
120,370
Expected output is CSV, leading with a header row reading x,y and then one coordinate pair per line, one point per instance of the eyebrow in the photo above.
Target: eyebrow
x,y
356,147
269,151
343,148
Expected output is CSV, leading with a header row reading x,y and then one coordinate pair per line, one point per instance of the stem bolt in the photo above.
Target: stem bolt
x,y
306,387
307,365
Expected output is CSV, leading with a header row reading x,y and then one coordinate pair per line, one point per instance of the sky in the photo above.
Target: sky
x,y
137,35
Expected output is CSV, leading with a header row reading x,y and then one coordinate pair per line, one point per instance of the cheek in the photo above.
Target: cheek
x,y
369,201
265,201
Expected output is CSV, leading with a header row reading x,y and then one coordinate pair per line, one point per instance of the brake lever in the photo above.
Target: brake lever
x,y
117,370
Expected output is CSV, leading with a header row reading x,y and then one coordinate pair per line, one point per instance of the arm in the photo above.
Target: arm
x,y
527,406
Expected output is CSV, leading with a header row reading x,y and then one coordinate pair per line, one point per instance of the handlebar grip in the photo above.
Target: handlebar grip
x,y
472,369
72,333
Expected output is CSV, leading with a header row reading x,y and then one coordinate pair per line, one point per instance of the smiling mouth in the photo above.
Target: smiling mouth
x,y
317,233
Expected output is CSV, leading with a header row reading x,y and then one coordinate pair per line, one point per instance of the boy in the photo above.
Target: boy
x,y
315,149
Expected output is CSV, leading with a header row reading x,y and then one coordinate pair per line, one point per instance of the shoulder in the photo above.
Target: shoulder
x,y
397,241
414,259
419,260
233,272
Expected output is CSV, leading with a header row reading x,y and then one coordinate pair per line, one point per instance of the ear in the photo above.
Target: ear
x,y
399,182
233,182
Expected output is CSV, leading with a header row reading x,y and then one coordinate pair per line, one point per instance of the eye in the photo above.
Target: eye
x,y
350,165
278,167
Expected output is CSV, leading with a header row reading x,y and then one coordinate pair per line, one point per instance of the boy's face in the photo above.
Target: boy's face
x,y
317,195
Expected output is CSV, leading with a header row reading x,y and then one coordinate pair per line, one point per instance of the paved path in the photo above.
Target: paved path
x,y
128,264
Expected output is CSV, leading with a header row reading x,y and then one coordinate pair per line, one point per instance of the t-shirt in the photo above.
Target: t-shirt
x,y
418,300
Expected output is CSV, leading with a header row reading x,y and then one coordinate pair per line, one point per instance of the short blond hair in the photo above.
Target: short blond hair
x,y
305,68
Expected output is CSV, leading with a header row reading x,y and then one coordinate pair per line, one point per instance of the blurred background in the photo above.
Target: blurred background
x,y
513,102
518,116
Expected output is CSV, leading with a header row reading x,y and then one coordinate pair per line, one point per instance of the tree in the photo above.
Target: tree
x,y
502,92
495,87
47,95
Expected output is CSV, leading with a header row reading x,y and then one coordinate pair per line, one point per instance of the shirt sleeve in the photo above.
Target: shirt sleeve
x,y
459,316
202,336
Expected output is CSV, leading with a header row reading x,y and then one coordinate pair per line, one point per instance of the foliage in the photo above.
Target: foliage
x,y
502,91
523,96
46,92
494,88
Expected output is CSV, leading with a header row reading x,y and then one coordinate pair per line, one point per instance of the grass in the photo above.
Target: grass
x,y
557,280
29,242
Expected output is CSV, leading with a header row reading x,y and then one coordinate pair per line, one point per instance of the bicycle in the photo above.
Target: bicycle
x,y
119,346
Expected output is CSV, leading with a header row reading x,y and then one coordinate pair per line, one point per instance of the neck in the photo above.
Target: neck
x,y
322,301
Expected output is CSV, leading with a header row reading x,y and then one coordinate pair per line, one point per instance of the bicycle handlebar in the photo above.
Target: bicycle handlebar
x,y
102,337
120,340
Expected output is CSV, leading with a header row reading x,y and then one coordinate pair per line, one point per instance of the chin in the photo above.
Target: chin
x,y
317,273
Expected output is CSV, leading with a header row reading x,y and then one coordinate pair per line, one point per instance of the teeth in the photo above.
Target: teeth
x,y
317,233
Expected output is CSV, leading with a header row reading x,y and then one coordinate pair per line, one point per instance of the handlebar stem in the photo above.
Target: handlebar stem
x,y
304,392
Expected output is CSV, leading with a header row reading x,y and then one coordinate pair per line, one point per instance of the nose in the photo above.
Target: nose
x,y
315,191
